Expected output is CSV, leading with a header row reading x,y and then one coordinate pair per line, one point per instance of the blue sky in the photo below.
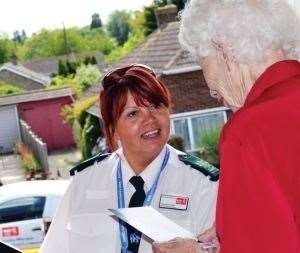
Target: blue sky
x,y
32,15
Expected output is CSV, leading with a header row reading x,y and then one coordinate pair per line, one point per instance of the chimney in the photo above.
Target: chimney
x,y
165,15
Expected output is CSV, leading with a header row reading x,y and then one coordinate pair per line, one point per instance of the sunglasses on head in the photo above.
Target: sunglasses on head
x,y
122,71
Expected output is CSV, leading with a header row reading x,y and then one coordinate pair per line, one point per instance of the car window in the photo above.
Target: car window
x,y
22,209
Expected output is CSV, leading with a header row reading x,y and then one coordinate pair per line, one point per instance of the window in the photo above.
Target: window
x,y
190,126
22,209
181,129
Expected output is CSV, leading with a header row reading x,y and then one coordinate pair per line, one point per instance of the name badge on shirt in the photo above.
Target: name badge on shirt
x,y
173,202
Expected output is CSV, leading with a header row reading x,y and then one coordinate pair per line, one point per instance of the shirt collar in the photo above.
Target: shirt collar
x,y
148,174
276,73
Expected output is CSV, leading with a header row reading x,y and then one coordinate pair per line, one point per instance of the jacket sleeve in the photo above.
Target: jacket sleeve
x,y
57,238
253,214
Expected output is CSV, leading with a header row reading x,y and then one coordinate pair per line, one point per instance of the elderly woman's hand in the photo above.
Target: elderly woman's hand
x,y
210,236
178,245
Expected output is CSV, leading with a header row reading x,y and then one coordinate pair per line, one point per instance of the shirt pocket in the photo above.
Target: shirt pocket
x,y
92,233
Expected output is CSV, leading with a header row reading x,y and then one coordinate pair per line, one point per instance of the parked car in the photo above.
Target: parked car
x,y
26,209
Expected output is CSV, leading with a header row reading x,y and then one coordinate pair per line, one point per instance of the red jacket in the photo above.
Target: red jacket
x,y
258,207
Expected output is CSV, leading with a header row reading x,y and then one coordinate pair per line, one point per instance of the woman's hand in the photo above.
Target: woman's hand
x,y
210,236
178,245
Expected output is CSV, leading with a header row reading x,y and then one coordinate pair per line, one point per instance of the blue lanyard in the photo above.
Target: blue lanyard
x,y
147,202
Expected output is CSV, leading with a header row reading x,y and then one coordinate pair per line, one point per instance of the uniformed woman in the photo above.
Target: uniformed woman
x,y
142,170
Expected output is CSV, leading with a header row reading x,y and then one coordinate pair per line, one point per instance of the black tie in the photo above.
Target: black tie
x,y
137,199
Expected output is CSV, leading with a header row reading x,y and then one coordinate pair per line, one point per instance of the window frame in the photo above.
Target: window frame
x,y
195,114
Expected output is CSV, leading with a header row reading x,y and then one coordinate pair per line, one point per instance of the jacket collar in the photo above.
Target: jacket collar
x,y
276,73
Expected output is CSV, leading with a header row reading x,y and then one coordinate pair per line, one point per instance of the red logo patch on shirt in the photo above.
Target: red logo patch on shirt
x,y
10,231
181,201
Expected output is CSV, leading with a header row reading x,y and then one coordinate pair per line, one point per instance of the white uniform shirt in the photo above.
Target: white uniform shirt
x,y
83,224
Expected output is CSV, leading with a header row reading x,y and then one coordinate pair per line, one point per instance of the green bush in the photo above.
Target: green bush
x,y
209,150
86,128
134,40
176,142
89,136
69,81
29,161
78,111
8,89
87,75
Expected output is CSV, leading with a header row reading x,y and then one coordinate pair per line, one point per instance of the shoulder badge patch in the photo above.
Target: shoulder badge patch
x,y
200,165
81,166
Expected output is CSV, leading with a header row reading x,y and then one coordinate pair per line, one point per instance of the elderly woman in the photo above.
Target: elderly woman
x,y
142,170
249,52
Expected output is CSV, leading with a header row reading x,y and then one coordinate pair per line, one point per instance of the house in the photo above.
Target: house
x,y
23,77
41,110
49,66
193,109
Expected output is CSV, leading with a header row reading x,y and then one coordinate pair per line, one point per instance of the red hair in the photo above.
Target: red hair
x,y
143,85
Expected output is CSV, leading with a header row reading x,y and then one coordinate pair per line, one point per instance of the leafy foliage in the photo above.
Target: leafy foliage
x,y
78,110
29,162
68,81
8,89
19,37
6,49
87,75
119,26
133,41
48,43
96,21
176,142
86,128
89,136
209,146
150,19
84,77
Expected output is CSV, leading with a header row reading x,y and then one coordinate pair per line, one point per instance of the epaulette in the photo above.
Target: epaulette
x,y
200,165
81,166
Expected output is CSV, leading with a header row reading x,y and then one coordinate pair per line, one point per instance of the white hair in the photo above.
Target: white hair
x,y
247,27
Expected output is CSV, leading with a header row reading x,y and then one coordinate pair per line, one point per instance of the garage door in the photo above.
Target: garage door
x,y
9,128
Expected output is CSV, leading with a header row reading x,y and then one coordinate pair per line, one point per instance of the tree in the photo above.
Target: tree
x,y
48,43
137,22
71,67
62,70
6,49
23,35
96,21
87,76
119,26
150,19
93,60
19,37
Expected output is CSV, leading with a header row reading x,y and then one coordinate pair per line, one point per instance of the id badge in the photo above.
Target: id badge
x,y
173,202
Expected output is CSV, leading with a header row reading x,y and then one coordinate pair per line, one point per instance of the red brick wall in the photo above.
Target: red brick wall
x,y
189,92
